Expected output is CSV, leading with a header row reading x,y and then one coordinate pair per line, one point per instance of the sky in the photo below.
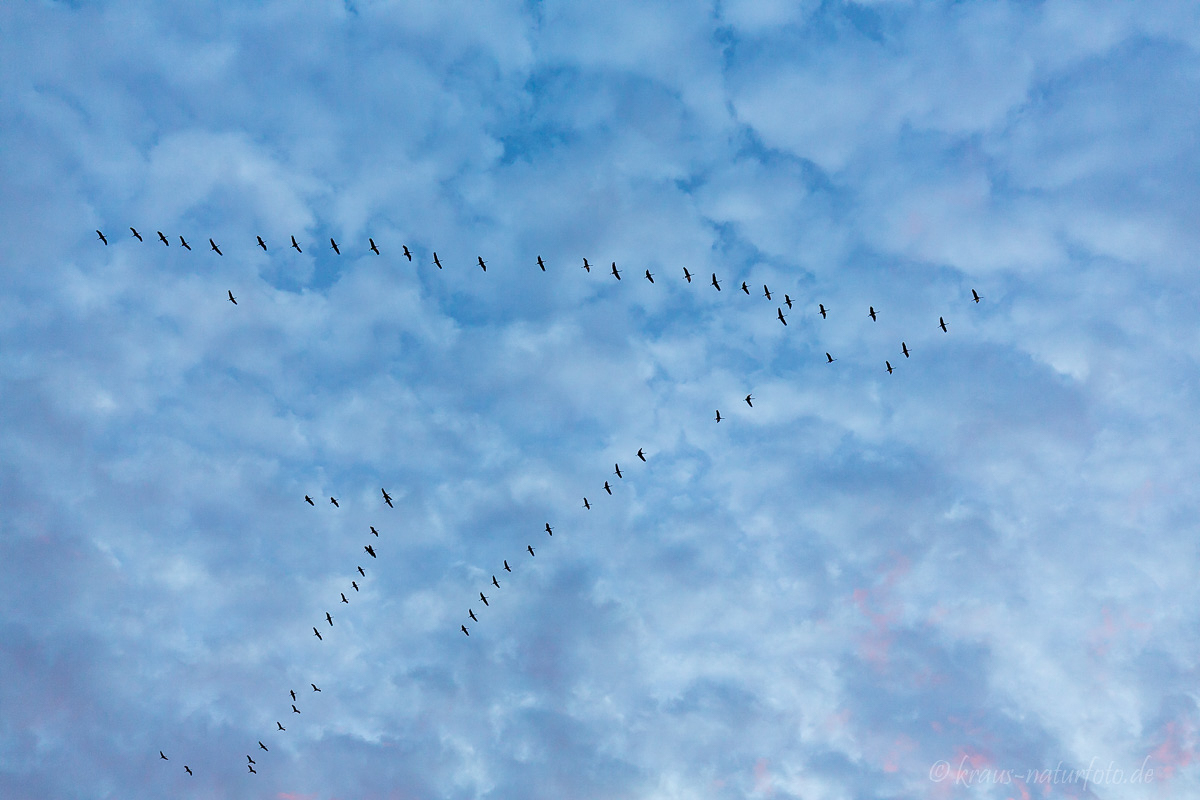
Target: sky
x,y
974,576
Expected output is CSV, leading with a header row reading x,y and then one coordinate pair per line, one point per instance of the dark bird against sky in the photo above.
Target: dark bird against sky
x,y
212,246
101,235
161,238
261,243
374,249
333,246
296,245
187,246
407,252
136,235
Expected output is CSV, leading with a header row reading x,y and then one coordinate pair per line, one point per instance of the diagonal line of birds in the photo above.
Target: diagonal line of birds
x,y
530,551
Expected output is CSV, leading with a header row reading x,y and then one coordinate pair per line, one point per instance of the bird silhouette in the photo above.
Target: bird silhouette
x,y
435,260
822,305
295,709
464,629
494,582
372,527
261,243
616,273
942,324
617,471
371,551
649,276
232,299
640,454
251,760
360,572
161,238
212,246
829,359
317,633
136,235
407,253
329,619
745,288
871,314
263,746
374,249
471,614
541,264
483,597
888,364
766,292
333,246
163,757
279,725
687,275
779,313
343,594
315,689
904,349
529,547
715,282
974,294
586,504
335,502
292,692
387,498
607,488
718,415
787,301
586,266
309,500
749,397
482,263
549,530
187,246
101,235
189,769
251,768
506,567
296,245
355,585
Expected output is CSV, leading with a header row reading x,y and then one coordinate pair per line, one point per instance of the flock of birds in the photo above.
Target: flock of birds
x,y
369,548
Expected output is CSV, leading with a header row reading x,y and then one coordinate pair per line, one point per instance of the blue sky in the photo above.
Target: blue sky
x,y
986,560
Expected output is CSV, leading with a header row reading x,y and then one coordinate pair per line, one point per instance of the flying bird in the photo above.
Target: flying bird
x,y
407,253
343,594
687,275
718,415
464,629
586,504
101,235
482,263
745,288
471,614
549,530
189,769
187,246
541,264
292,692
787,301
435,260
749,397
161,238
263,746
371,551
335,502
616,273
136,235
212,246
296,245
779,313
372,527
974,294
374,249
295,709
507,568
715,282
355,583
279,725
529,547
822,305
871,314
904,349
641,455
587,266
309,500
315,689
360,572
317,633
251,768
251,760
232,299
618,471
261,243
329,619
333,246
829,359
607,488
766,291
387,498
888,364
483,597
942,324
163,757
649,276
494,583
